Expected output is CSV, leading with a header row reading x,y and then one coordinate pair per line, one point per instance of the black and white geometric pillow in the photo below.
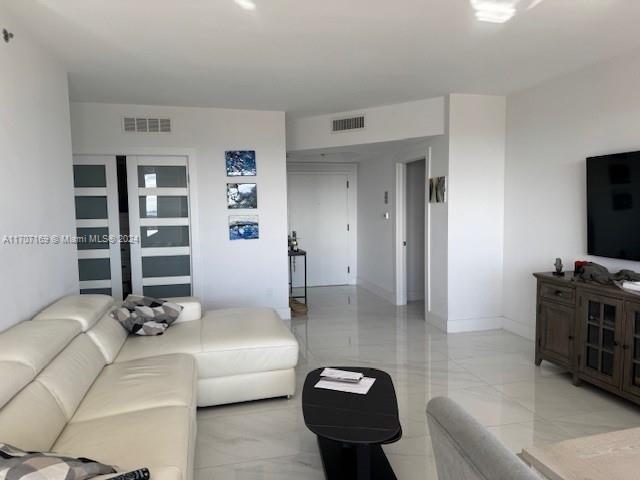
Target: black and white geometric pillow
x,y
16,464
146,315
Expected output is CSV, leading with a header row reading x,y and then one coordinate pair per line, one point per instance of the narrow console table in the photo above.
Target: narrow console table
x,y
292,255
592,330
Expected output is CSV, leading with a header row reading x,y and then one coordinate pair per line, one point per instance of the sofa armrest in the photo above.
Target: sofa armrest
x,y
192,308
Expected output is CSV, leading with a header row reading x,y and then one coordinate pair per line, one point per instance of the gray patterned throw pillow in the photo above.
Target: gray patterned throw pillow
x,y
16,464
145,315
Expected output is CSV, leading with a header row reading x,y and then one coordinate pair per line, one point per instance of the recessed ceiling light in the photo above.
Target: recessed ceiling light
x,y
494,11
246,4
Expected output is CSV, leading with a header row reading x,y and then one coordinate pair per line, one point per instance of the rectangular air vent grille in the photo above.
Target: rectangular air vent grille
x,y
347,124
146,125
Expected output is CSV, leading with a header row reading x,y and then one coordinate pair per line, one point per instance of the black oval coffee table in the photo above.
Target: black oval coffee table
x,y
351,428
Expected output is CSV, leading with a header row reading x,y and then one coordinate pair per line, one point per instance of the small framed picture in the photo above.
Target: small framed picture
x,y
242,195
437,189
240,163
244,227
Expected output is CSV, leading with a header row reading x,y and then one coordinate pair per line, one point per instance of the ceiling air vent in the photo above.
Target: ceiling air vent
x,y
347,124
146,125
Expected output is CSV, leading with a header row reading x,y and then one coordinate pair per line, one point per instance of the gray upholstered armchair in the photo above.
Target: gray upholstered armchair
x,y
465,450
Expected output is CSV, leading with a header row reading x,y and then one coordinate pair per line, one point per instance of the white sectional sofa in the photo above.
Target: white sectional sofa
x,y
72,381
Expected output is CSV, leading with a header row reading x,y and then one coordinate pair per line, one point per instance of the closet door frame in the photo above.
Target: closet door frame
x,y
112,222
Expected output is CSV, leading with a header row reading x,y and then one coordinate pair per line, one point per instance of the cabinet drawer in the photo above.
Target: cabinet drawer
x,y
558,293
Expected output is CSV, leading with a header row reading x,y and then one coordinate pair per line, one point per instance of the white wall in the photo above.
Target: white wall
x,y
437,226
476,211
376,261
226,273
551,129
383,124
376,235
415,226
36,179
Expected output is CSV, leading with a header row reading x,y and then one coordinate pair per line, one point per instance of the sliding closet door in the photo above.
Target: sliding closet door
x,y
159,214
97,221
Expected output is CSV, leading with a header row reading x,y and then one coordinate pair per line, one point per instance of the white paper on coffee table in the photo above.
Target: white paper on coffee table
x,y
334,373
361,388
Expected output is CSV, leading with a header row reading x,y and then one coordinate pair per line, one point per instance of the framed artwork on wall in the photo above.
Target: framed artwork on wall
x,y
240,163
242,195
437,189
244,227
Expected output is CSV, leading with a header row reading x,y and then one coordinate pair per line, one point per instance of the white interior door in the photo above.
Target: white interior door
x,y
159,213
95,181
319,213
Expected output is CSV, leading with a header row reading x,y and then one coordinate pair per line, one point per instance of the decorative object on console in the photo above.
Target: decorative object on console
x,y
242,195
593,272
558,265
577,265
293,242
244,227
16,464
145,315
438,190
240,163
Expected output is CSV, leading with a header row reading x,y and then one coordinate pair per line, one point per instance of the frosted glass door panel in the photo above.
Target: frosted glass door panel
x,y
150,176
91,208
169,206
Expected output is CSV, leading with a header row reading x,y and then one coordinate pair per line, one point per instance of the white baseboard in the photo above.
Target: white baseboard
x,y
437,321
377,290
284,313
521,329
415,295
474,324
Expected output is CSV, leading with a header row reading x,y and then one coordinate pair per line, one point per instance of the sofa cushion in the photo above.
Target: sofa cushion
x,y
180,338
191,308
109,336
263,343
35,344
158,438
84,309
14,377
163,381
32,420
70,375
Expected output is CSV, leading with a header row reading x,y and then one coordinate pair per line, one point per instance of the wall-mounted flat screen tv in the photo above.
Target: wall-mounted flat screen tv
x,y
613,206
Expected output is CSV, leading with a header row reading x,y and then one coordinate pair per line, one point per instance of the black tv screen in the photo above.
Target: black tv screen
x,y
613,206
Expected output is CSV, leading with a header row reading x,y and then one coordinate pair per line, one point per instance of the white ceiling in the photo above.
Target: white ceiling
x,y
318,56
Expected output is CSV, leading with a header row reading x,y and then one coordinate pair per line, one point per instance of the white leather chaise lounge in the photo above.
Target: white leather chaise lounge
x,y
72,381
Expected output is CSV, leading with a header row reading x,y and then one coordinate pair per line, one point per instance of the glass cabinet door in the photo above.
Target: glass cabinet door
x,y
601,327
632,349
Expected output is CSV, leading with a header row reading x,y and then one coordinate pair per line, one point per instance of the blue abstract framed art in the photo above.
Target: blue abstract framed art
x,y
240,163
244,227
